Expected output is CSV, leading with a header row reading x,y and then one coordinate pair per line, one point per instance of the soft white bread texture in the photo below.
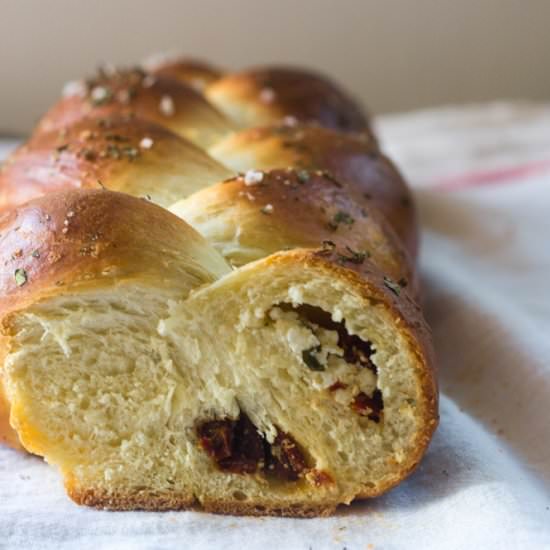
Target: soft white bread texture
x,y
142,394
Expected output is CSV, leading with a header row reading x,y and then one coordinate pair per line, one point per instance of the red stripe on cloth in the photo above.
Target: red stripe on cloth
x,y
493,177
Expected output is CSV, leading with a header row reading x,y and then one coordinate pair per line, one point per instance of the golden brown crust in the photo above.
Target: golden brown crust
x,y
120,153
164,101
297,510
154,501
192,72
131,500
265,95
297,209
354,159
88,237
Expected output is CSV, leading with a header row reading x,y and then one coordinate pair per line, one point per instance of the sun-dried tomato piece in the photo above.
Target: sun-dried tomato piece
x,y
237,447
248,444
238,465
216,438
286,460
355,349
371,407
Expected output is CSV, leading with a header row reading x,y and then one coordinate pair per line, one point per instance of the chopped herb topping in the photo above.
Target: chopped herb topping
x,y
62,148
113,151
131,152
340,217
310,360
393,286
329,176
20,276
35,254
329,246
354,257
116,152
303,176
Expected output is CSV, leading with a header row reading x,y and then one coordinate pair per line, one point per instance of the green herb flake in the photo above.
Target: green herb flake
x,y
303,176
310,360
330,177
392,285
20,276
116,137
35,254
354,257
340,217
327,248
131,152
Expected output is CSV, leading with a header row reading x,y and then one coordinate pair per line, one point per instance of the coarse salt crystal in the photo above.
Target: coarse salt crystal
x,y
99,93
167,107
74,88
267,95
123,96
148,81
267,209
146,143
253,177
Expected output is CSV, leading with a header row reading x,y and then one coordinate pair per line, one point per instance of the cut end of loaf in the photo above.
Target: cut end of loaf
x,y
286,388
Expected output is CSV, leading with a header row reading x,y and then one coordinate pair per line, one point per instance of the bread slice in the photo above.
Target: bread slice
x,y
155,377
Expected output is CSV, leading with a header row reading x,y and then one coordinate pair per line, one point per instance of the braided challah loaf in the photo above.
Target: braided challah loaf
x,y
254,349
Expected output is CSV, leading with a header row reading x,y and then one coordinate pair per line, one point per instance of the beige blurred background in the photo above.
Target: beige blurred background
x,y
394,54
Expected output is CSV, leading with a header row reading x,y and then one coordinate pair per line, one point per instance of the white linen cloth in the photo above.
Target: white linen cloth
x,y
482,179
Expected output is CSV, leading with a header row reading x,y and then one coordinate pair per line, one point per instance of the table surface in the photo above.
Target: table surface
x,y
481,175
